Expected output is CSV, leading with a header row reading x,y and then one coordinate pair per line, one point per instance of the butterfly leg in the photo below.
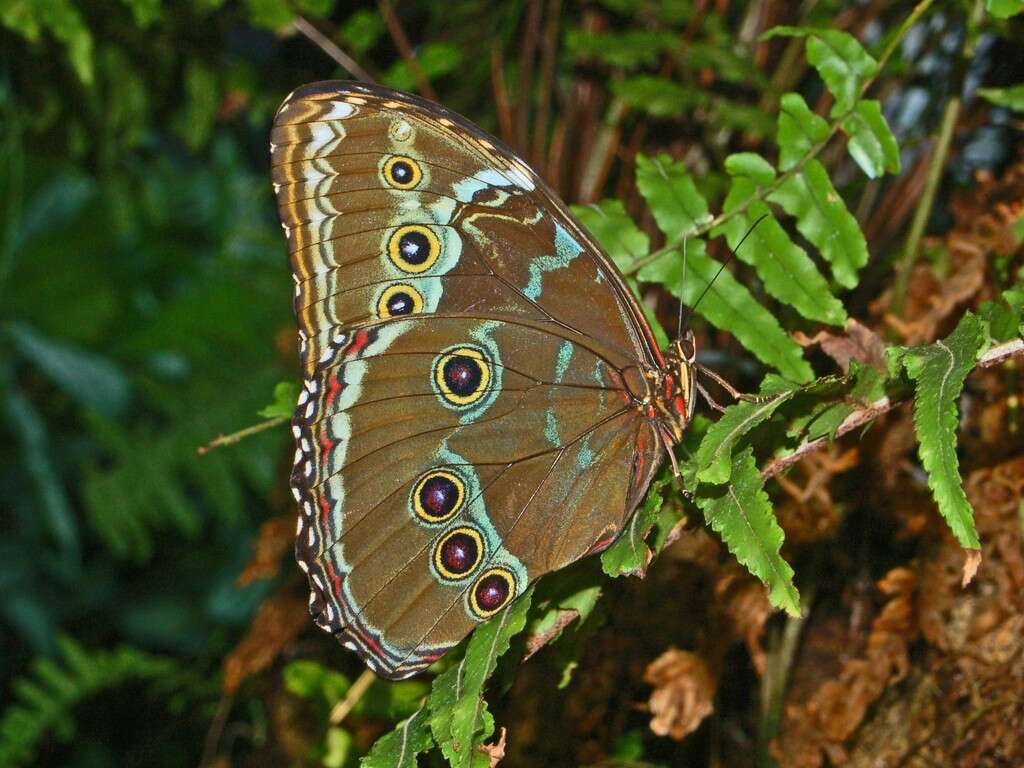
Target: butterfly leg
x,y
733,392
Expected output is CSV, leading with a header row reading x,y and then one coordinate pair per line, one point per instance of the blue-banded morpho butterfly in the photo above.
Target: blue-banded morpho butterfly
x,y
483,401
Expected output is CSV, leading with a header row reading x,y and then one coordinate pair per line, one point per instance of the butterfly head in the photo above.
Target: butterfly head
x,y
681,384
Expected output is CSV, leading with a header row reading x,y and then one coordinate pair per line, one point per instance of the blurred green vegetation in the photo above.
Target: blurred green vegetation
x,y
145,305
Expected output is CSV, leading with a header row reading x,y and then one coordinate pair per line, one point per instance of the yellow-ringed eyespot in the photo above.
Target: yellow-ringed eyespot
x,y
402,172
491,592
462,375
458,553
414,248
438,496
399,299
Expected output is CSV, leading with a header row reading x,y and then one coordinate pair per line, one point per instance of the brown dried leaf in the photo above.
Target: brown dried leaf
x,y
859,343
684,692
972,560
278,621
275,538
495,752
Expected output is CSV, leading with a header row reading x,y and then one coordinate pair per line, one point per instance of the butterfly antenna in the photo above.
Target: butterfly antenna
x,y
682,285
726,263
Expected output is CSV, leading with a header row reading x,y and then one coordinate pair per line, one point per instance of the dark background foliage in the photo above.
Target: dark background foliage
x,y
145,307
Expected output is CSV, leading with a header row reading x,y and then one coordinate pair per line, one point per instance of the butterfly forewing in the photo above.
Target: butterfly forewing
x,y
468,417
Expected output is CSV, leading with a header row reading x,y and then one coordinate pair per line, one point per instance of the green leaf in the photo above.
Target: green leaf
x,y
615,230
271,14
841,61
339,747
938,371
741,514
435,59
93,381
714,458
1004,9
459,719
61,19
399,748
730,306
799,130
202,99
1012,96
362,30
628,49
787,271
630,554
871,145
145,12
671,194
821,216
657,96
286,394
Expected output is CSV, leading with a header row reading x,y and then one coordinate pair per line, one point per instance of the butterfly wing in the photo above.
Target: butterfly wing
x,y
472,365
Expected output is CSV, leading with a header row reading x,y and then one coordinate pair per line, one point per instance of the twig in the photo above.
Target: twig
x,y
501,102
240,435
998,354
527,55
402,43
355,693
547,73
332,49
764,192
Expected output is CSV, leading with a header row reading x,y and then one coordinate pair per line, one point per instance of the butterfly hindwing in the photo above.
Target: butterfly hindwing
x,y
471,359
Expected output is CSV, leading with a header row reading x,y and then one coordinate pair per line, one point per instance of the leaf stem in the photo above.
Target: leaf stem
x,y
352,697
764,192
236,437
998,354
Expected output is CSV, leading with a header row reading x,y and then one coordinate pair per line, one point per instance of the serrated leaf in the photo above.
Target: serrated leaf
x,y
938,372
871,145
821,216
399,748
286,394
714,457
741,514
459,719
657,96
730,306
1004,9
799,130
1011,97
669,190
786,270
615,230
630,555
843,64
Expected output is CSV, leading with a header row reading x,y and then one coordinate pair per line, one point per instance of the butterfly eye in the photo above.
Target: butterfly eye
x,y
414,248
462,376
402,172
458,553
399,300
438,496
491,592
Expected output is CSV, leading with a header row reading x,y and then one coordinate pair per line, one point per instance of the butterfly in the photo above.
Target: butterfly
x,y
483,401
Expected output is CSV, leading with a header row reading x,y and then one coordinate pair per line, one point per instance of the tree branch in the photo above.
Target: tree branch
x,y
332,49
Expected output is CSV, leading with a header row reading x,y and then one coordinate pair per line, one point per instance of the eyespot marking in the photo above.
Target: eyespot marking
x,y
402,172
400,130
491,592
399,299
438,496
462,376
458,553
414,248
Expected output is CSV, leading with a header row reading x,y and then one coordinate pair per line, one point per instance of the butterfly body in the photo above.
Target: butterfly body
x,y
483,401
